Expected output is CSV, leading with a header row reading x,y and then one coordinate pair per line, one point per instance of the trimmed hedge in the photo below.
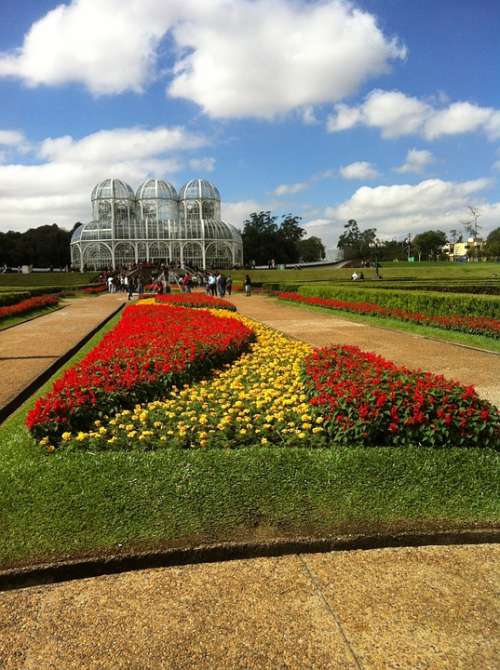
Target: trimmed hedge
x,y
428,302
13,298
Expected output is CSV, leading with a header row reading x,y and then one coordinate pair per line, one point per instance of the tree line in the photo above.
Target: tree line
x,y
356,243
46,246
267,239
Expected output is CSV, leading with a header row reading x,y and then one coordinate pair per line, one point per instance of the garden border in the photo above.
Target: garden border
x,y
15,403
32,318
57,572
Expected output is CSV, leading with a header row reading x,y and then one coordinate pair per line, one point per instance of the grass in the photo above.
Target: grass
x,y
455,337
22,318
18,281
390,271
83,503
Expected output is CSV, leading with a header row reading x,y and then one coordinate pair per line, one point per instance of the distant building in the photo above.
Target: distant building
x,y
156,225
462,251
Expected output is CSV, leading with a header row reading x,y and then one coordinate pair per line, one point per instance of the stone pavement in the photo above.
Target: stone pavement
x,y
319,329
28,349
426,608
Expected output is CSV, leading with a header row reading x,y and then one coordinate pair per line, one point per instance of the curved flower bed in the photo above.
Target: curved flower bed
x,y
475,325
95,290
28,305
195,300
368,400
283,393
148,351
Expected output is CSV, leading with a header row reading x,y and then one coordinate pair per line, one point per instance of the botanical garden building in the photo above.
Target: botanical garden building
x,y
156,225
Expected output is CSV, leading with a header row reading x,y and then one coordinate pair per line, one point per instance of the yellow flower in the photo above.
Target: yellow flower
x,y
66,436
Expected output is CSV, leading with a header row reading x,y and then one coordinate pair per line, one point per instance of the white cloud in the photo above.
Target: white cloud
x,y
359,170
396,114
416,161
202,164
288,189
233,58
400,209
11,137
308,116
238,63
58,189
236,212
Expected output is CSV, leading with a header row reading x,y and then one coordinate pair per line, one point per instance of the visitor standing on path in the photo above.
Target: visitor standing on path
x,y
248,286
229,284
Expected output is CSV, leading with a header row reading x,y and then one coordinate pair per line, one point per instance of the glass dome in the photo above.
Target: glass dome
x,y
77,233
156,227
156,189
199,189
112,189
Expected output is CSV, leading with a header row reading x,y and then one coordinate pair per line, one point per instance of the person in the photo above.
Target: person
x,y
211,287
361,276
131,283
229,284
222,285
354,276
110,284
248,286
140,287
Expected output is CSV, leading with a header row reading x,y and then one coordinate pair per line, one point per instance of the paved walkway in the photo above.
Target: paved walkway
x,y
466,365
429,608
30,348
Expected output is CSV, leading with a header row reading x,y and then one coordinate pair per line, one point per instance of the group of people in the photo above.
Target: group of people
x,y
218,284
359,276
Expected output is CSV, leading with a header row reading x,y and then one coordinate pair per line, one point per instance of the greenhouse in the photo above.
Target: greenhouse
x,y
156,225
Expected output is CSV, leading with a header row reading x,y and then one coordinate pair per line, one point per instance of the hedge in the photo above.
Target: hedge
x,y
428,302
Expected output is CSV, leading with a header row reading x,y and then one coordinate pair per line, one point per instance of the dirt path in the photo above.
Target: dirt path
x,y
30,348
466,365
431,607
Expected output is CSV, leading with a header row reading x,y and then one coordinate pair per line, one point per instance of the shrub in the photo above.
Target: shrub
x,y
28,305
427,302
149,350
368,400
474,325
95,290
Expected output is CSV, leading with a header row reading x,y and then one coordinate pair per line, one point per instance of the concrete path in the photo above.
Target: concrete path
x,y
319,329
30,348
429,608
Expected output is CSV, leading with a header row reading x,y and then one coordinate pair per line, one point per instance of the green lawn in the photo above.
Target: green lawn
x,y
9,281
81,503
390,271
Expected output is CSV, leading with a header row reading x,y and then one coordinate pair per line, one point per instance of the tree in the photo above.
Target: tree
x,y
493,243
471,226
289,235
356,243
264,240
311,249
259,237
429,243
44,246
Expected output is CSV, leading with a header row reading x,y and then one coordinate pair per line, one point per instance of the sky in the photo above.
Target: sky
x,y
385,111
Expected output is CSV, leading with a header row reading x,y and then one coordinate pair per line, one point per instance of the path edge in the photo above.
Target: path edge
x,y
56,572
15,403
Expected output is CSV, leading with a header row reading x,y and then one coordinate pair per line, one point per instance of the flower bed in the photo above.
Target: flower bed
x,y
258,399
283,393
475,325
28,305
150,349
368,400
95,290
195,300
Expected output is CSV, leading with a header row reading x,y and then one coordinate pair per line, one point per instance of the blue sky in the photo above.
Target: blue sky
x,y
387,111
